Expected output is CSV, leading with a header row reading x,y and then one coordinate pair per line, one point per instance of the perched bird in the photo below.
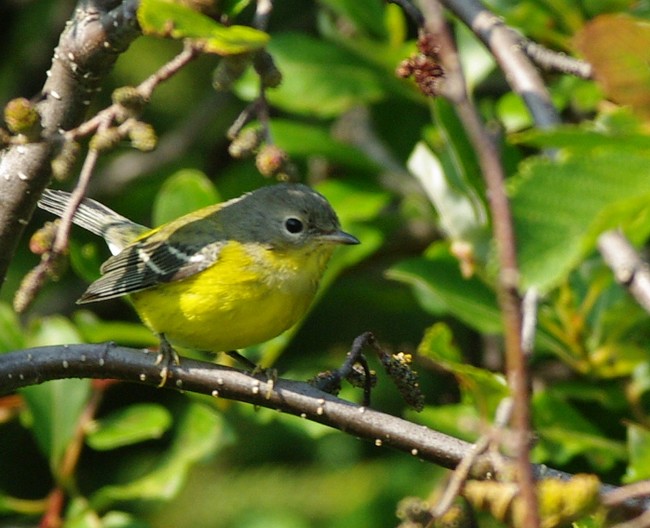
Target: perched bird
x,y
221,278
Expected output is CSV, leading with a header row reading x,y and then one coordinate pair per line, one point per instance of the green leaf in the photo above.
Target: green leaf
x,y
80,515
164,18
638,444
561,205
308,140
96,330
198,433
319,78
484,389
564,434
366,15
86,259
55,406
183,192
441,289
11,335
459,420
133,424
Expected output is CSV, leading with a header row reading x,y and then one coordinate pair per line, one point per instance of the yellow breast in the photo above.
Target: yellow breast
x,y
249,295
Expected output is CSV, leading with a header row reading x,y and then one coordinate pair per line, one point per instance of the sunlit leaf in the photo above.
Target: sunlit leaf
x,y
462,215
618,48
164,18
638,443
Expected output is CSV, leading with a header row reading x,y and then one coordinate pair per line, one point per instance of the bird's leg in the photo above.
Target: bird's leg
x,y
271,373
244,361
166,357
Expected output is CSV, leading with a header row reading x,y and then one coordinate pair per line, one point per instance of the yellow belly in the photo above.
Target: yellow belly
x,y
241,300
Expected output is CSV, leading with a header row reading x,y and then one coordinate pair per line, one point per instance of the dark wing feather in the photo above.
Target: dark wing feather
x,y
149,262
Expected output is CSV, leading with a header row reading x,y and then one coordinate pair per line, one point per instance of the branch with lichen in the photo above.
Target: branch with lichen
x,y
89,45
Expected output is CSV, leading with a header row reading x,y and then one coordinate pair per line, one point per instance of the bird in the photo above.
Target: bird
x,y
222,278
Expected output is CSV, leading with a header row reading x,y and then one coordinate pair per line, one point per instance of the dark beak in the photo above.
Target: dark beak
x,y
339,237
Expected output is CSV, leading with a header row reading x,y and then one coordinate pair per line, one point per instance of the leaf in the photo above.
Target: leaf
x,y
367,15
55,406
80,515
319,78
441,289
561,205
638,444
564,434
11,335
164,18
309,140
198,433
462,215
133,424
484,389
95,330
86,260
460,420
618,48
183,192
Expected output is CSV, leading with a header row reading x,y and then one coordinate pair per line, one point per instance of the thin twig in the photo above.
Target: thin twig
x,y
630,270
99,123
463,469
551,60
262,14
529,321
625,493
145,89
507,290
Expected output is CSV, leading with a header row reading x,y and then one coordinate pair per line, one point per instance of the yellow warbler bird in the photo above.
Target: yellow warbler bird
x,y
224,277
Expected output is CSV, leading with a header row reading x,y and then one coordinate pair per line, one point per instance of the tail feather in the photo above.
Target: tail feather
x,y
117,230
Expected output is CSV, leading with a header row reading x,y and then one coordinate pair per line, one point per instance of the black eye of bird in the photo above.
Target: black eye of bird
x,y
293,225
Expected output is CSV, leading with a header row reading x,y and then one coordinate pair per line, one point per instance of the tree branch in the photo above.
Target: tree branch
x,y
109,361
630,270
88,47
505,44
34,366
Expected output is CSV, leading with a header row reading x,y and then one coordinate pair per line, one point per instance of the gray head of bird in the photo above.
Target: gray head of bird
x,y
287,216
